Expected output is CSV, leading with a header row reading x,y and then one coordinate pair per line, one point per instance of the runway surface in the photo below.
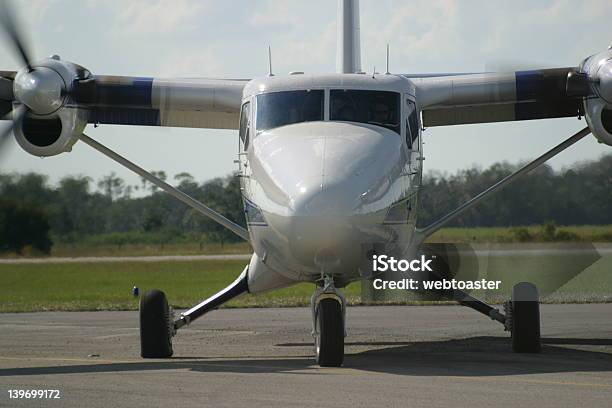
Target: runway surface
x,y
435,356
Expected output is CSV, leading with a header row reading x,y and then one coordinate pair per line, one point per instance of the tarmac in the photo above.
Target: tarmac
x,y
408,356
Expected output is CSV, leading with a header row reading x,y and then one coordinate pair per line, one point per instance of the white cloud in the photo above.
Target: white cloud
x,y
35,10
297,52
560,11
416,29
275,15
162,17
206,62
301,37
424,26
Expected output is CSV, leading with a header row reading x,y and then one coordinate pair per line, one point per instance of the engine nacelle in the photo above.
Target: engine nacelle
x,y
599,118
51,125
51,134
598,107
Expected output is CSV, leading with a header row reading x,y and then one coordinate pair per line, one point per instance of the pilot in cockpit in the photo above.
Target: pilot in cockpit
x,y
380,112
343,109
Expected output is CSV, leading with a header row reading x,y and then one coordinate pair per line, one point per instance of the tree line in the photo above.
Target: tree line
x,y
73,211
34,213
578,195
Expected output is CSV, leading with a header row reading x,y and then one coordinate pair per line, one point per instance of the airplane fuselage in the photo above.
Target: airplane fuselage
x,y
330,169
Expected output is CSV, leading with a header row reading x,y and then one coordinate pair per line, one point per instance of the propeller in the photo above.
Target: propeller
x,y
17,116
8,23
38,90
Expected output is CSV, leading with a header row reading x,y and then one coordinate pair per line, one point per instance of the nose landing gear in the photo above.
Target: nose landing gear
x,y
328,314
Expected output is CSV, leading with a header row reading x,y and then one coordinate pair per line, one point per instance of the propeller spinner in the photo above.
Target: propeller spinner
x,y
37,89
42,90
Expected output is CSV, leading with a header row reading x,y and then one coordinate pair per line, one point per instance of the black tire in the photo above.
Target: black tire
x,y
525,310
329,342
155,336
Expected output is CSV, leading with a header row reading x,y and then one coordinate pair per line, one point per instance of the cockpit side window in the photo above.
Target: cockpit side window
x,y
380,108
245,124
284,108
412,125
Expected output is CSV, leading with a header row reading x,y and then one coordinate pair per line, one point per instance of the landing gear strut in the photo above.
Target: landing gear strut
x,y
157,324
328,313
521,317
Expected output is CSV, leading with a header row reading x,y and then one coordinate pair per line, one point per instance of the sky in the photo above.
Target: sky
x,y
191,38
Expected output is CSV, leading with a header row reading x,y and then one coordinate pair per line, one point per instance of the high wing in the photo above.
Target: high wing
x,y
123,100
195,103
496,97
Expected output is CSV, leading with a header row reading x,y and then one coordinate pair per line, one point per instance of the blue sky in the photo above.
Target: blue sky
x,y
230,38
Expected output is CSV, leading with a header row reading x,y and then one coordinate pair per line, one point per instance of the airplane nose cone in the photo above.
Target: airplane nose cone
x,y
324,181
326,168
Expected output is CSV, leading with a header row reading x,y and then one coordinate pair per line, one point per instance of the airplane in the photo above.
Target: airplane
x,y
330,165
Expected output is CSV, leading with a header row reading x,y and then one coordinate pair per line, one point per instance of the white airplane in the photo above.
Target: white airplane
x,y
330,165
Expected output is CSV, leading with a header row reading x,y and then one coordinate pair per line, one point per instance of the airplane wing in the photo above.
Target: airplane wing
x,y
496,97
123,100
445,99
195,103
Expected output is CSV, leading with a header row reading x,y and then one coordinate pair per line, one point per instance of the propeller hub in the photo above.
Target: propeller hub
x,y
41,90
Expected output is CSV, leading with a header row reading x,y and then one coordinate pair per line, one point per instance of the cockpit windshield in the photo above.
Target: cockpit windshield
x,y
284,108
374,107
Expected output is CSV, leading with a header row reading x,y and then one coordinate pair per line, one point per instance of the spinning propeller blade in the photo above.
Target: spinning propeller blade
x,y
8,22
17,116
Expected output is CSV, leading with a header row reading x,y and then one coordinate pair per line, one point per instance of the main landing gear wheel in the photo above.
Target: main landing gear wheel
x,y
329,339
524,313
155,325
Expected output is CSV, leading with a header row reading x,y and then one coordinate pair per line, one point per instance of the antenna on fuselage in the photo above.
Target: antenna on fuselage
x,y
387,73
270,61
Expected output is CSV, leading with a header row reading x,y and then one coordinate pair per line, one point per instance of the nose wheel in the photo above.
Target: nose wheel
x,y
328,307
329,333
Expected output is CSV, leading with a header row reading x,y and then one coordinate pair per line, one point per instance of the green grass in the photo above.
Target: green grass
x,y
107,286
103,245
584,233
